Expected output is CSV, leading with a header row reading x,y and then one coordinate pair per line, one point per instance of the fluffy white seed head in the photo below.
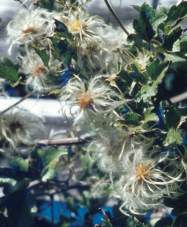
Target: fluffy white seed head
x,y
29,25
146,180
108,147
96,96
35,70
19,127
82,26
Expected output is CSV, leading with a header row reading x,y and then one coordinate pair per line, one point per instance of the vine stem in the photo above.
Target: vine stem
x,y
65,141
16,103
116,17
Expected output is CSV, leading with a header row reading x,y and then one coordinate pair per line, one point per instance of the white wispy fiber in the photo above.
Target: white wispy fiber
x,y
20,127
103,55
144,184
82,26
107,148
35,70
142,60
29,25
100,47
95,96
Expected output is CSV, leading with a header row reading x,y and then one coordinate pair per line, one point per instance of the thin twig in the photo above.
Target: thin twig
x,y
22,4
179,98
116,17
16,103
65,141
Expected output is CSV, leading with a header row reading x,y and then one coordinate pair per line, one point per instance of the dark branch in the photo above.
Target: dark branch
x,y
17,103
116,17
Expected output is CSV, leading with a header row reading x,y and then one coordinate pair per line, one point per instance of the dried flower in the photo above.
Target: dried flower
x,y
144,183
82,26
28,26
19,126
95,97
35,70
142,60
107,147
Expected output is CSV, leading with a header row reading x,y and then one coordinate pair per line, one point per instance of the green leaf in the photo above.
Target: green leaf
x,y
159,18
19,164
43,55
177,12
161,74
132,118
157,72
183,45
150,116
147,92
50,160
155,69
172,37
7,181
172,117
8,70
49,155
173,137
48,174
174,57
143,24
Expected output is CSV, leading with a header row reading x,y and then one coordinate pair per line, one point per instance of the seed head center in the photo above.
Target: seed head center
x,y
76,26
142,61
38,70
85,100
142,171
14,126
28,30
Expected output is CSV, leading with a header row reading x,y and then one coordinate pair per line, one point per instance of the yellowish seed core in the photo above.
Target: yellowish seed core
x,y
142,61
38,70
28,30
112,79
85,100
76,26
142,171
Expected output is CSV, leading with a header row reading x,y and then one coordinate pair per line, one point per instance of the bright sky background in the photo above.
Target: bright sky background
x,y
122,3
